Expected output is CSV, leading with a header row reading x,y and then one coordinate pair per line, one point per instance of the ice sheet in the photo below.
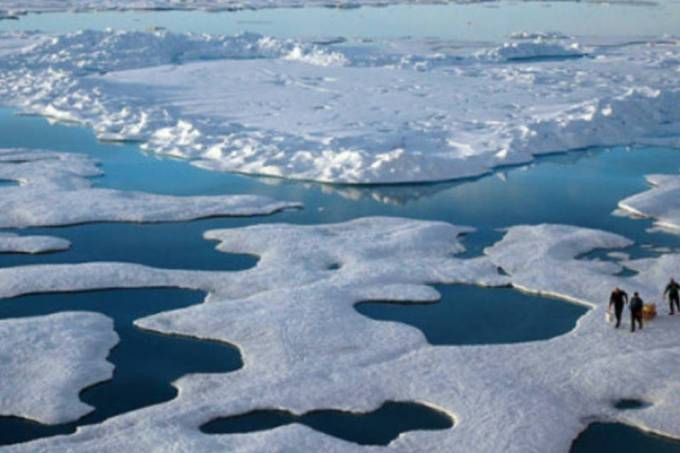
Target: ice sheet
x,y
305,348
387,112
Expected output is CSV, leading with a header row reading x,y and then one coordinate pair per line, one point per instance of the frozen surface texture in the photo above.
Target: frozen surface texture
x,y
381,112
305,347
48,360
12,243
661,202
55,189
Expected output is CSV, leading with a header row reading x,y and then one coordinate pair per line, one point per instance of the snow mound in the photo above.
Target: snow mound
x,y
55,190
539,35
539,48
13,243
661,202
91,51
48,360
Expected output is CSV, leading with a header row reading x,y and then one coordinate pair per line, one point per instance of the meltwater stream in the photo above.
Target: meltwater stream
x,y
554,189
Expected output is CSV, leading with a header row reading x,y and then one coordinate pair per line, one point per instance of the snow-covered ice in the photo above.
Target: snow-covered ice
x,y
48,360
661,202
305,348
55,189
393,111
13,243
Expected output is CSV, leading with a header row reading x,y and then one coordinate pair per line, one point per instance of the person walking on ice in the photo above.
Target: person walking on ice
x,y
618,299
673,292
636,305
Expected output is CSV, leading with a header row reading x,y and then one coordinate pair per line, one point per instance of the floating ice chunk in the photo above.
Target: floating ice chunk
x,y
55,190
12,243
661,202
48,360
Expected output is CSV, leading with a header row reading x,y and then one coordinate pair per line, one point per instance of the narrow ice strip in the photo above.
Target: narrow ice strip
x,y
398,111
661,202
48,360
13,243
55,189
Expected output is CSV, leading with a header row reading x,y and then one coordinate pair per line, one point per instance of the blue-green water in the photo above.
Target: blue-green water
x,y
555,189
145,363
610,437
379,427
475,315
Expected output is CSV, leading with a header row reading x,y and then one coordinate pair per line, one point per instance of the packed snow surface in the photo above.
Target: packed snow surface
x,y
357,112
306,348
48,360
55,189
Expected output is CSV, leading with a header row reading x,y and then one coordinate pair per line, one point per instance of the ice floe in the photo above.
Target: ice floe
x,y
55,189
392,111
661,202
13,243
48,360
306,348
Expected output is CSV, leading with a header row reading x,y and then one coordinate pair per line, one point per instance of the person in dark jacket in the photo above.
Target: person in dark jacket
x,y
618,299
635,306
673,292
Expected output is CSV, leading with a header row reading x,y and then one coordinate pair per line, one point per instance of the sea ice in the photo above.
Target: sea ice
x,y
661,202
394,111
16,7
48,360
54,189
12,243
306,348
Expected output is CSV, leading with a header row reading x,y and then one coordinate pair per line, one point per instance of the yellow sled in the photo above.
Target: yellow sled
x,y
648,312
